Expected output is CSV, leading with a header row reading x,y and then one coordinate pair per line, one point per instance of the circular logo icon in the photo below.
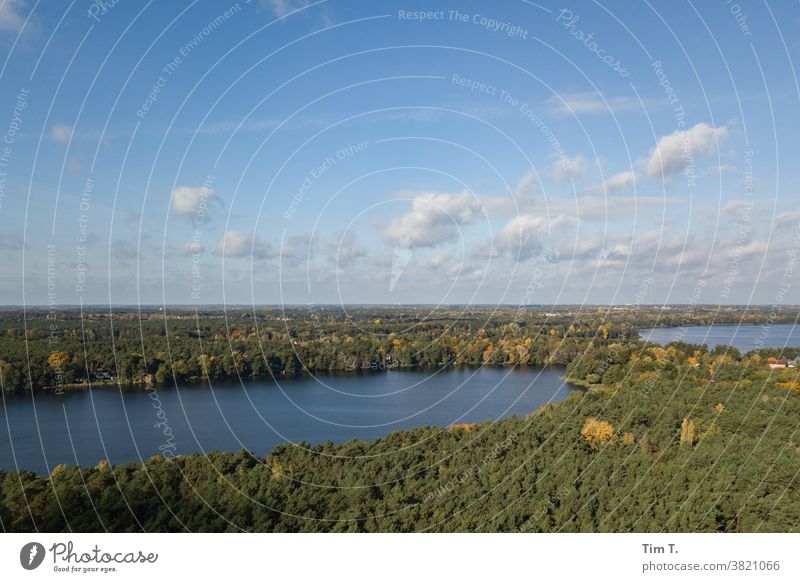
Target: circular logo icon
x,y
31,555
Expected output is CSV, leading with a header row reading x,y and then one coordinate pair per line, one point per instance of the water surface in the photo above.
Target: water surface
x,y
743,337
42,429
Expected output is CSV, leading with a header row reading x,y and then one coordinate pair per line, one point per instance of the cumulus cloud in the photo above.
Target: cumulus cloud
x,y
190,200
522,235
61,133
678,150
237,244
434,219
522,198
569,168
615,183
787,218
441,266
299,247
345,249
10,17
527,187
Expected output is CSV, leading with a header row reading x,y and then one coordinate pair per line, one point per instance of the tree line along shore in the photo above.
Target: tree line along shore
x,y
66,350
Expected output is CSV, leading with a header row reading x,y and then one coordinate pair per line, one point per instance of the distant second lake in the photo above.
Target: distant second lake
x,y
743,337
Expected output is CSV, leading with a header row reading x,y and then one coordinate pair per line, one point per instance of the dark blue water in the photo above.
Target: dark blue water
x,y
743,337
41,430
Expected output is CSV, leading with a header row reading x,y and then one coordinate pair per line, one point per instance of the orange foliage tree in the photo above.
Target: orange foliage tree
x,y
597,432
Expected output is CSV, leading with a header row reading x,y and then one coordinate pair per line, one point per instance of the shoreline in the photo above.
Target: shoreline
x,y
366,371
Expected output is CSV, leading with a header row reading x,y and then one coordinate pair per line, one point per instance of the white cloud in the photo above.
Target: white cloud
x,y
10,17
299,247
522,235
237,244
569,168
527,186
190,200
521,199
615,183
788,217
736,207
751,251
345,249
284,7
680,149
61,133
193,247
582,249
434,219
589,102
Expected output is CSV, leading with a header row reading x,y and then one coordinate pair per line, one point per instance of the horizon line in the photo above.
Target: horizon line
x,y
434,305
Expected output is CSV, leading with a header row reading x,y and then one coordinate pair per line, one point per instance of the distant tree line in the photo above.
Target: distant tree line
x,y
69,353
43,349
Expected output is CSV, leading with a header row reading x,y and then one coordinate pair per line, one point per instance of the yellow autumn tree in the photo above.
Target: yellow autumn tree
x,y
597,432
58,359
790,385
660,354
687,432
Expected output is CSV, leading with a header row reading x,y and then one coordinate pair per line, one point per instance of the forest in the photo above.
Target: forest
x,y
672,438
67,348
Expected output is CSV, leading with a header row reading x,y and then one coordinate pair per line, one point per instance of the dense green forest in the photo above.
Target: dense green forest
x,y
672,438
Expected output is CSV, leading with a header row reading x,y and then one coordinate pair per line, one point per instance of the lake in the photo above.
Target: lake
x,y
743,337
83,426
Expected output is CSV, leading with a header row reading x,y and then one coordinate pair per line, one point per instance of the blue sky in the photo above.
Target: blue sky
x,y
398,152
